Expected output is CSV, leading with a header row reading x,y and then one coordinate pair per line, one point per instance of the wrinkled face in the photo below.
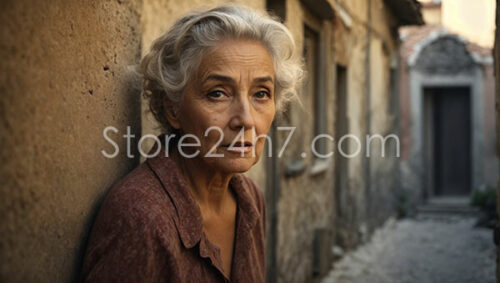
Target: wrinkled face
x,y
231,98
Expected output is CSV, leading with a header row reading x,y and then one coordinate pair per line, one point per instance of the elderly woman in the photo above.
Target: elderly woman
x,y
217,77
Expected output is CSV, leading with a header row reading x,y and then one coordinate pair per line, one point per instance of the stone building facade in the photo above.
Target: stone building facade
x,y
447,109
67,76
338,200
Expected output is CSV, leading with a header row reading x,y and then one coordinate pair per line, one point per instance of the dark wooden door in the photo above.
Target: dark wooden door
x,y
452,140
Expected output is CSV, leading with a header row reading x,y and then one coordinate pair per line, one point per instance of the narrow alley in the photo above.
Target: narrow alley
x,y
431,247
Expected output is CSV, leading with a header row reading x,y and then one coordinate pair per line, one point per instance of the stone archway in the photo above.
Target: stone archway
x,y
444,75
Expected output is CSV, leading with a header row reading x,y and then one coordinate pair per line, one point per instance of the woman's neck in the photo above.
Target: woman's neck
x,y
209,187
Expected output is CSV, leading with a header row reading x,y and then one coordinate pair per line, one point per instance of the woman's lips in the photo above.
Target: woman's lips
x,y
239,147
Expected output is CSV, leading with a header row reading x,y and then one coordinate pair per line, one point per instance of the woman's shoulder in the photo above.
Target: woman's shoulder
x,y
138,197
130,228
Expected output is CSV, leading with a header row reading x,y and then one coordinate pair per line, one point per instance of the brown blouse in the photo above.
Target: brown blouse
x,y
149,229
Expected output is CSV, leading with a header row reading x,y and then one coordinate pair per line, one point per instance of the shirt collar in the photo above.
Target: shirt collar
x,y
189,219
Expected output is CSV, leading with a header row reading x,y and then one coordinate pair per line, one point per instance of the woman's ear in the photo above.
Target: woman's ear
x,y
172,114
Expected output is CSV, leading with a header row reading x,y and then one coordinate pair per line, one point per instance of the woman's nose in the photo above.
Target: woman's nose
x,y
242,114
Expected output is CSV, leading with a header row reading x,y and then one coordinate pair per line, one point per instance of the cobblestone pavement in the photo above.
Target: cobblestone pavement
x,y
444,249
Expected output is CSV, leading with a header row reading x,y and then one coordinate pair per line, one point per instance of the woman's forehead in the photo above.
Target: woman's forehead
x,y
233,56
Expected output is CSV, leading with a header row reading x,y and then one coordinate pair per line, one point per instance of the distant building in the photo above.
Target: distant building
x,y
447,112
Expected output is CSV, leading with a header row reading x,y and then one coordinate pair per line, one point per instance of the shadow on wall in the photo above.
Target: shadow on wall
x,y
65,78
131,88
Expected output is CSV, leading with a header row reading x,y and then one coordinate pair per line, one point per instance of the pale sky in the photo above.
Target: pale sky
x,y
472,19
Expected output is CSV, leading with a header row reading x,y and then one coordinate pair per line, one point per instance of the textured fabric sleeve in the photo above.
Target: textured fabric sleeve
x,y
123,247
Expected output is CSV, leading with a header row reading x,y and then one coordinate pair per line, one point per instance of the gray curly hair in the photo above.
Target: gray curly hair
x,y
175,56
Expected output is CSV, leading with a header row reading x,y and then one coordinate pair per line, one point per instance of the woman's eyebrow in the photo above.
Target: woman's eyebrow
x,y
263,79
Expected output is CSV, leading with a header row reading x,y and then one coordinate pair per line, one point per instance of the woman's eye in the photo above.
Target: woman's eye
x,y
263,94
215,94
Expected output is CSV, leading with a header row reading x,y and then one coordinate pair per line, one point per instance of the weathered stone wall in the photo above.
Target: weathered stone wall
x,y
64,79
384,161
307,202
351,52
491,163
373,199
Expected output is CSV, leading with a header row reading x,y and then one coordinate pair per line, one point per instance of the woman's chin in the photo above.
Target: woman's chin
x,y
235,165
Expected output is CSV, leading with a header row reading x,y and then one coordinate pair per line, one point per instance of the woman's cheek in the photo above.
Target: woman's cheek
x,y
210,140
260,146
